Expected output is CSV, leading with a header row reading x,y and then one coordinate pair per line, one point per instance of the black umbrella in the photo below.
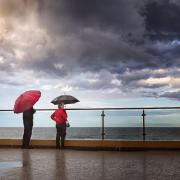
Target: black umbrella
x,y
66,99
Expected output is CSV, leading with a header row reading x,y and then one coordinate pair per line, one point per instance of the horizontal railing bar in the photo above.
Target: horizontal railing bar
x,y
140,108
87,109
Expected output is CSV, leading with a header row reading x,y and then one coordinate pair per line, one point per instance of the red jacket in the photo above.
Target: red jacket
x,y
59,116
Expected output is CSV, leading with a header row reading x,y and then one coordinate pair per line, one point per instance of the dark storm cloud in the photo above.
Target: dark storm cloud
x,y
162,19
104,31
126,39
100,30
76,15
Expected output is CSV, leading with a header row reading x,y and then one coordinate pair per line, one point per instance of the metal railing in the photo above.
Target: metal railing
x,y
117,109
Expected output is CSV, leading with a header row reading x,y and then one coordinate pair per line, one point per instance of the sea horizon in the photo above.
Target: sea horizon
x,y
116,133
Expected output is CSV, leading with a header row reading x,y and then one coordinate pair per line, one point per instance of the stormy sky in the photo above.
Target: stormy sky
x,y
98,51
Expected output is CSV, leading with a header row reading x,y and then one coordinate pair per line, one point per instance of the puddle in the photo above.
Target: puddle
x,y
10,164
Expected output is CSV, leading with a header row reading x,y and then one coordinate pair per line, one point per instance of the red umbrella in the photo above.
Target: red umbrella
x,y
26,100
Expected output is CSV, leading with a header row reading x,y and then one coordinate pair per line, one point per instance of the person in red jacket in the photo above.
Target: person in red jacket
x,y
60,117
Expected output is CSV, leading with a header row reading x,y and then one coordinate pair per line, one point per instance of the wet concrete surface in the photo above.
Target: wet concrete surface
x,y
52,164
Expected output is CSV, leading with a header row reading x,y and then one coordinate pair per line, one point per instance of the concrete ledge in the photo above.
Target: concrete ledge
x,y
97,144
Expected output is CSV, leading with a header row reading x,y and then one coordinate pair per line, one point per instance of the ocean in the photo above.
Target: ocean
x,y
123,133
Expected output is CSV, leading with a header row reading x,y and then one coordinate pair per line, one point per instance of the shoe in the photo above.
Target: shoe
x,y
23,147
58,147
30,148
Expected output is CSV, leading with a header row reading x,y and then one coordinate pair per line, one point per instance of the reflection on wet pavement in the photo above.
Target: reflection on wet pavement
x,y
7,165
52,164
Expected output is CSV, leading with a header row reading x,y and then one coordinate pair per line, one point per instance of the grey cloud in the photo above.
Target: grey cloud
x,y
5,80
171,95
95,81
150,94
153,86
6,59
132,78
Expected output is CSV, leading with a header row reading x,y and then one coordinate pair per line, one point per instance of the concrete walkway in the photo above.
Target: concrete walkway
x,y
51,164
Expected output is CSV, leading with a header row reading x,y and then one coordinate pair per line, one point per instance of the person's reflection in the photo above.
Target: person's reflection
x,y
26,162
60,164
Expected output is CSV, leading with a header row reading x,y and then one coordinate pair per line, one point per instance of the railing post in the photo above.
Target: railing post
x,y
102,128
144,130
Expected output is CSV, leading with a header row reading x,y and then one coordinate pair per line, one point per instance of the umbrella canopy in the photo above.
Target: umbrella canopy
x,y
26,100
66,99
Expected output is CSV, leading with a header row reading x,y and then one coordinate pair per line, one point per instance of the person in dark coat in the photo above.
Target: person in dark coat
x,y
60,117
28,125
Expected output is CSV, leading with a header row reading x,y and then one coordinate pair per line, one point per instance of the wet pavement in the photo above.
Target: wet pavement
x,y
52,164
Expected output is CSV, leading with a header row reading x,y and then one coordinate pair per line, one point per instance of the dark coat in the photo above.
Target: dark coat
x,y
28,125
28,115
